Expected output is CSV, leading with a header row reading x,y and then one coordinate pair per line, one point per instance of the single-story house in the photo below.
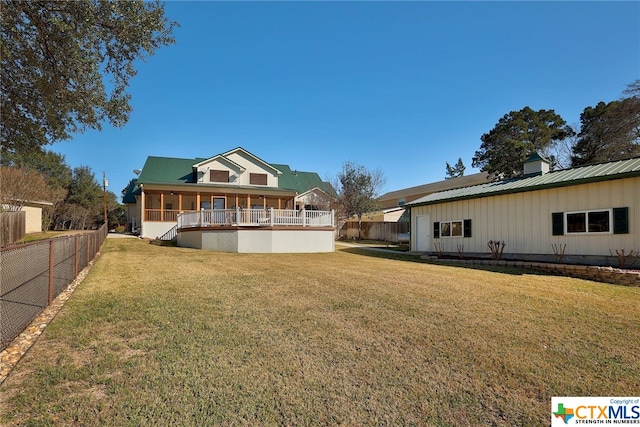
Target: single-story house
x,y
582,215
32,210
403,196
233,201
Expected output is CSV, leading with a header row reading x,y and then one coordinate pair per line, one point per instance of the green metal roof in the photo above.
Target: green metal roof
x,y
562,178
131,191
535,157
175,171
168,170
301,181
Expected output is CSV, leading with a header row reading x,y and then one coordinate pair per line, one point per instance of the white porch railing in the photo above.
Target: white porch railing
x,y
256,217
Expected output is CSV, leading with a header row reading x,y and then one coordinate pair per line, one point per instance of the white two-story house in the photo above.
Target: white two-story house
x,y
233,190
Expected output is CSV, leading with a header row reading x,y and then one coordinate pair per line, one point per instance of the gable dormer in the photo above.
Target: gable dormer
x,y
236,167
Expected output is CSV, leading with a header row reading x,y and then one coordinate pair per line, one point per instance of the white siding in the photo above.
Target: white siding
x,y
253,166
154,230
33,219
237,177
523,220
259,240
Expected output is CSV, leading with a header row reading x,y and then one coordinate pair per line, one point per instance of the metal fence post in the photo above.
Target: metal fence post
x,y
75,256
50,271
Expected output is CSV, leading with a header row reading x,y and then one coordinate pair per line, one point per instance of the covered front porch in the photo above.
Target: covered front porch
x,y
159,206
165,206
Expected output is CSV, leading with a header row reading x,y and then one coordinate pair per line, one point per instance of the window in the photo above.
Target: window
x,y
218,176
218,203
451,229
258,179
589,222
457,228
168,206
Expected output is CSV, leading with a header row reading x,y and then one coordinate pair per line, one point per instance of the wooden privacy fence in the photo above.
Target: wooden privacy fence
x,y
386,231
33,274
12,227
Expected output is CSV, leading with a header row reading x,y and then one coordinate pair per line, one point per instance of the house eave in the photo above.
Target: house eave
x,y
222,188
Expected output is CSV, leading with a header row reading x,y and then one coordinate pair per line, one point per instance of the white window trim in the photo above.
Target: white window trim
x,y
461,221
587,232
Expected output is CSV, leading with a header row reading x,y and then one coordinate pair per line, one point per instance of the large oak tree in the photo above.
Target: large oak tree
x,y
66,65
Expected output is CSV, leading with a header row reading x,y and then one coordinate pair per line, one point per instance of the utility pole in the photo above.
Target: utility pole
x,y
105,184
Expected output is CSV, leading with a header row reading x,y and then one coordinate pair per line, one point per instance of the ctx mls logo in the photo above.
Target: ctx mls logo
x,y
565,413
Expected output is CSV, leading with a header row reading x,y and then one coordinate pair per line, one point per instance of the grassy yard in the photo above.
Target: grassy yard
x,y
171,336
44,235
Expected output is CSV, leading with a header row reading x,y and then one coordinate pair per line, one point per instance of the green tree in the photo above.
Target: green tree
x,y
83,207
51,165
516,136
53,168
116,213
54,57
358,190
455,171
609,131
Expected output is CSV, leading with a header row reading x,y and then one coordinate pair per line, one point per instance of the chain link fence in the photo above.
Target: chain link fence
x,y
33,274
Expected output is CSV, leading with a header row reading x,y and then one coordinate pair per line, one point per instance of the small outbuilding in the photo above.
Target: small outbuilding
x,y
582,215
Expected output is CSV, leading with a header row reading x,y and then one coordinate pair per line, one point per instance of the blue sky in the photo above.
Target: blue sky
x,y
399,86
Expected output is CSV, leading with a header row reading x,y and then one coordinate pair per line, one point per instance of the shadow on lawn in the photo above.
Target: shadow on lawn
x,y
409,257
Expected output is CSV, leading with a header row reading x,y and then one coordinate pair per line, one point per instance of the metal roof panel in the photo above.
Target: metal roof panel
x,y
589,173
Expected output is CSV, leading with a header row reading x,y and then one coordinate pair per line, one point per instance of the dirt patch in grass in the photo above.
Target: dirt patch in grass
x,y
161,335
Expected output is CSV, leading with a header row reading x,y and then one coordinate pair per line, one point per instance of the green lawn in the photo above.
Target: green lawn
x,y
171,336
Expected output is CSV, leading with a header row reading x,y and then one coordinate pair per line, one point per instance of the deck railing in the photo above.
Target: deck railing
x,y
256,217
164,215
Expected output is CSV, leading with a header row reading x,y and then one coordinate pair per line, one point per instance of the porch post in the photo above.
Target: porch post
x,y
248,201
271,215
162,206
198,201
304,218
179,202
279,204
